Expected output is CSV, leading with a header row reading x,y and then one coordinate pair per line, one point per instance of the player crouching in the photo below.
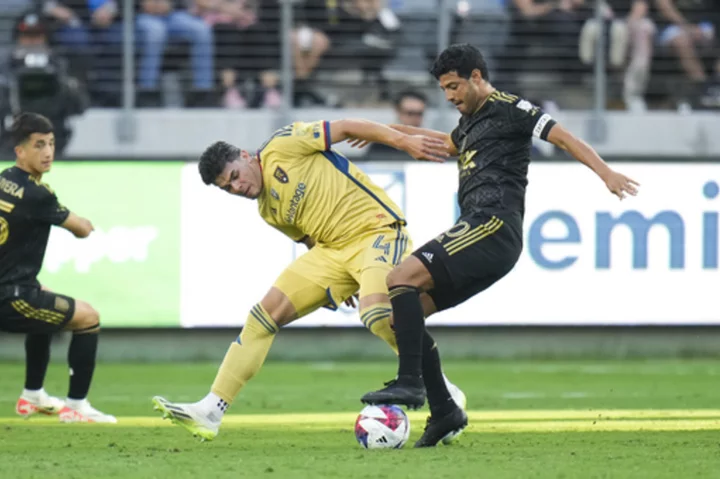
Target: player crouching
x,y
28,208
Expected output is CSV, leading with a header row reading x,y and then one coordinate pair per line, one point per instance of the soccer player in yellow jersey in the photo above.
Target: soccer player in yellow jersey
x,y
355,232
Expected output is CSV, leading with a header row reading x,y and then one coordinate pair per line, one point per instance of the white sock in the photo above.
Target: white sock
x,y
33,394
213,406
74,403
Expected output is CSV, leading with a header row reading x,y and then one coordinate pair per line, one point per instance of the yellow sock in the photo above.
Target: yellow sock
x,y
377,319
246,354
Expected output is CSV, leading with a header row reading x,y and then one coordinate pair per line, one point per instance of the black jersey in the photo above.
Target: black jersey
x,y
28,208
494,146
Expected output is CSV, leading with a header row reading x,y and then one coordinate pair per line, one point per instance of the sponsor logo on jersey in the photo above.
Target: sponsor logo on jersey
x,y
295,202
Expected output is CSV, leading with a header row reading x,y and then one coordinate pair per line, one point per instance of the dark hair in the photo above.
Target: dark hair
x,y
462,59
214,159
25,124
409,94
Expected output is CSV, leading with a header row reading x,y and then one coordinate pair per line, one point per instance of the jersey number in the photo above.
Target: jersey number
x,y
4,231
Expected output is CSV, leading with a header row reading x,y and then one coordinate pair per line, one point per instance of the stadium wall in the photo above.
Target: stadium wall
x,y
339,344
168,133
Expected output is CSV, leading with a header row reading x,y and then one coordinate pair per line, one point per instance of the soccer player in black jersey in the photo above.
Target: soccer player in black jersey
x,y
28,208
492,142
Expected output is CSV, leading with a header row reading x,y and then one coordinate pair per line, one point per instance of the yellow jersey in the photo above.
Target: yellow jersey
x,y
311,190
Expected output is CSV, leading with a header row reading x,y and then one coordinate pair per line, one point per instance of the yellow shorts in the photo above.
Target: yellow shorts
x,y
327,275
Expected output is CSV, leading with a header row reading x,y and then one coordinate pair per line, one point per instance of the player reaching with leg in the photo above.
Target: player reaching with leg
x,y
314,195
28,208
493,142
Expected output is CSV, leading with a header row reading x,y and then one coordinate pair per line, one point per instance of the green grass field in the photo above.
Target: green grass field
x,y
543,419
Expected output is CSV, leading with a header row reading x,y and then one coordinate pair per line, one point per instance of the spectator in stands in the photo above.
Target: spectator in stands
x,y
159,23
247,47
555,24
9,13
688,30
71,36
631,35
344,34
37,80
410,110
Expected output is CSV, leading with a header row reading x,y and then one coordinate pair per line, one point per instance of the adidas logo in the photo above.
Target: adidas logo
x,y
428,256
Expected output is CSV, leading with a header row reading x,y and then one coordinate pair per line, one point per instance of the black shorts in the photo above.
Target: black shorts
x,y
27,309
471,256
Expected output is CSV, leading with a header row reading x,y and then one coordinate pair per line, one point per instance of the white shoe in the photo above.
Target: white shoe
x,y
461,400
82,411
38,402
189,416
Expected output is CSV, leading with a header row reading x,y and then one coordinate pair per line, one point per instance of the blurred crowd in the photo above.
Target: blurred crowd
x,y
227,53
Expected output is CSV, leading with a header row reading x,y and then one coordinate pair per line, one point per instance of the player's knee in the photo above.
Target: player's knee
x,y
86,318
279,307
395,278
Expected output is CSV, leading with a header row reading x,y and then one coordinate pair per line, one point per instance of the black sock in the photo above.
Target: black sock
x,y
37,357
439,399
81,358
409,323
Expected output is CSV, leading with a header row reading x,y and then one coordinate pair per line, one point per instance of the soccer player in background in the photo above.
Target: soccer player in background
x,y
493,142
355,234
28,208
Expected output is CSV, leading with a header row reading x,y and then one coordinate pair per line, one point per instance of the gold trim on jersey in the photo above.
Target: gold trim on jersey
x,y
46,315
502,96
6,206
473,236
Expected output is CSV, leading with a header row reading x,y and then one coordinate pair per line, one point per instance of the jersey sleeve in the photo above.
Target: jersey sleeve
x,y
43,206
531,120
301,139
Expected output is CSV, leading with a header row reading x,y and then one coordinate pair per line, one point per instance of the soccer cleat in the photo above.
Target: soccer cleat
x,y
41,403
187,416
461,400
404,390
437,430
84,412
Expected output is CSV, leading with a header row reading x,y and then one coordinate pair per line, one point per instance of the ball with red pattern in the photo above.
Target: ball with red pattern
x,y
382,427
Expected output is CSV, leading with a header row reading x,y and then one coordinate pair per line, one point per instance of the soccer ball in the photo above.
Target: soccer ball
x,y
382,427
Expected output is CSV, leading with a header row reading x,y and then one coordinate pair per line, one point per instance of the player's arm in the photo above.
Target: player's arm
x,y
77,225
617,183
446,138
419,146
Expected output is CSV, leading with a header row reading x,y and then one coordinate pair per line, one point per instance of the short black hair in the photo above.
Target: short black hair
x,y
461,58
25,124
409,94
214,159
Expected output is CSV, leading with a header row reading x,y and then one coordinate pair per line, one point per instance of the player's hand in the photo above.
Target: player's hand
x,y
620,185
357,142
426,148
350,302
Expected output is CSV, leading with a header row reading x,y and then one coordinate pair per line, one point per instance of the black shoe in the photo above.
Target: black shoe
x,y
437,429
405,390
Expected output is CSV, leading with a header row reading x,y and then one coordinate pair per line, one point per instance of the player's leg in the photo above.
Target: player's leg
x,y
300,289
82,354
243,359
380,253
405,283
38,314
